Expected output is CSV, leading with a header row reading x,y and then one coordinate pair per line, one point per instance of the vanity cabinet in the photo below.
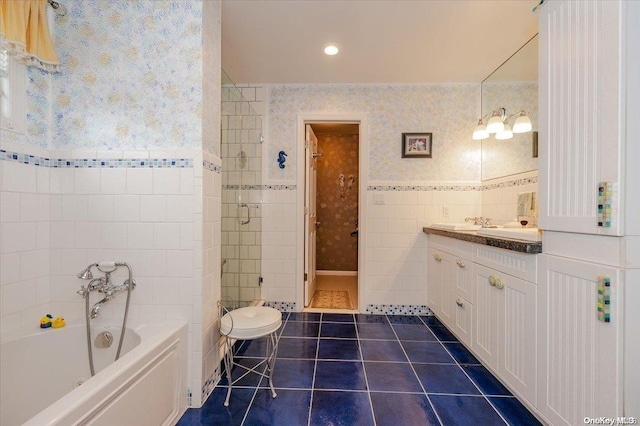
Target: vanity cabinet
x,y
487,297
504,335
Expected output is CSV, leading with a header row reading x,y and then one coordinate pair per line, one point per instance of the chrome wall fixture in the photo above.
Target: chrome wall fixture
x,y
499,125
104,285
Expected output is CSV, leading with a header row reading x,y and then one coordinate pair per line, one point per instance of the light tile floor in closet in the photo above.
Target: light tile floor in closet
x,y
345,369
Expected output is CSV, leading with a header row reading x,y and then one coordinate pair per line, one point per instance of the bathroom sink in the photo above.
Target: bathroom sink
x,y
527,234
456,226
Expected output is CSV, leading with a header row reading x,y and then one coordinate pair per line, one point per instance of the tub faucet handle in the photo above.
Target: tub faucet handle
x,y
84,292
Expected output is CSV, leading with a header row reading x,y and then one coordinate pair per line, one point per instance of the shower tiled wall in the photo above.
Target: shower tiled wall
x,y
241,149
337,202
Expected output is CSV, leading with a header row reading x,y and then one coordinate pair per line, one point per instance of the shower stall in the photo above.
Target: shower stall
x,y
241,152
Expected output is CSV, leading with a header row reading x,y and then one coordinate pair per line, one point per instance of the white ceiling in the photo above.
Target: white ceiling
x,y
381,41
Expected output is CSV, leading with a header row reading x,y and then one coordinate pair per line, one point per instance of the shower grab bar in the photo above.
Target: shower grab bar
x,y
245,222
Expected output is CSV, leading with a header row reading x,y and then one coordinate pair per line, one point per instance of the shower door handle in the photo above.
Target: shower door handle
x,y
244,222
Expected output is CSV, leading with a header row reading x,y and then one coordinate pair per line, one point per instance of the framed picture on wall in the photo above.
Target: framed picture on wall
x,y
416,145
534,145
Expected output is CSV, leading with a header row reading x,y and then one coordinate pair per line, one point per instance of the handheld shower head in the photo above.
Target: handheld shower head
x,y
86,274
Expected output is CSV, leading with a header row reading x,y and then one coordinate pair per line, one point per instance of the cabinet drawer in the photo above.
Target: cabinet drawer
x,y
519,265
458,248
464,288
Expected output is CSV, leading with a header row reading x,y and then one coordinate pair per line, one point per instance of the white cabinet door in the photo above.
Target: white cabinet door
x,y
434,281
581,113
579,356
505,328
488,300
440,295
517,335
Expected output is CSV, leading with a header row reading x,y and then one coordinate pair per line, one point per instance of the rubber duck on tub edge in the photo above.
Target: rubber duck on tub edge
x,y
58,323
45,321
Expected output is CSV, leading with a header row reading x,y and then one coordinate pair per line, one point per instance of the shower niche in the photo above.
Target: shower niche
x,y
241,152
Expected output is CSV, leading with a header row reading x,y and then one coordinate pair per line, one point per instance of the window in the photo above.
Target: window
x,y
12,94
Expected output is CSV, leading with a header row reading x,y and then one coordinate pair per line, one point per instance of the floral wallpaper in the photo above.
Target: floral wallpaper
x,y
131,79
511,156
337,202
449,111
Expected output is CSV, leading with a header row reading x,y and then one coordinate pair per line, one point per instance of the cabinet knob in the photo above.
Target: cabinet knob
x,y
437,257
499,284
459,303
492,281
460,263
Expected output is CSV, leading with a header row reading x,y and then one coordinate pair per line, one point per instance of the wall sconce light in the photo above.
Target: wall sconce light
x,y
499,124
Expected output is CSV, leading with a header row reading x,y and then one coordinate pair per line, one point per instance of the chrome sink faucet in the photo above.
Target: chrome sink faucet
x,y
485,222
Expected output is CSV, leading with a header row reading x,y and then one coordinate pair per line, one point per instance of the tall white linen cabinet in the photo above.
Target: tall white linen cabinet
x,y
588,306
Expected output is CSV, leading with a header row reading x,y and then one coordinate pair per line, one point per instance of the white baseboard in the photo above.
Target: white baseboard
x,y
342,273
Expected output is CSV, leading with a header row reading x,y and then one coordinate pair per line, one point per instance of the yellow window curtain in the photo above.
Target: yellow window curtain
x,y
24,33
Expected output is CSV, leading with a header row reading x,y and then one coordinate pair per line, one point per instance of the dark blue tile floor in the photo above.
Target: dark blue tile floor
x,y
343,369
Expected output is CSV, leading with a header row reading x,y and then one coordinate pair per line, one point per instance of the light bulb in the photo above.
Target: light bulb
x,y
480,132
522,124
495,124
506,133
331,50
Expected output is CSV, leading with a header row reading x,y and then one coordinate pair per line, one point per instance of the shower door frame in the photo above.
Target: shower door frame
x,y
363,165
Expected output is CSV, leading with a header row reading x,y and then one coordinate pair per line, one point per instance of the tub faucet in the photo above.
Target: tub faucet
x,y
95,311
110,292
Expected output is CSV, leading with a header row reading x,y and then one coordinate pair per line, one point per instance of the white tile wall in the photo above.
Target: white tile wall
x,y
279,245
396,246
24,249
500,204
208,338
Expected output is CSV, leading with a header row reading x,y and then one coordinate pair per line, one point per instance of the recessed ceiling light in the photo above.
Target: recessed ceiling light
x,y
331,50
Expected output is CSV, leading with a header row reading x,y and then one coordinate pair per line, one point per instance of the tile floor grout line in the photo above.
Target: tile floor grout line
x,y
416,375
364,372
465,373
253,397
315,368
447,400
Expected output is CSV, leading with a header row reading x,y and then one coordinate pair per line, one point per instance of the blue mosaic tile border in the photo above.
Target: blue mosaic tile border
x,y
511,183
399,309
279,187
211,167
480,187
424,188
257,187
282,306
209,385
84,163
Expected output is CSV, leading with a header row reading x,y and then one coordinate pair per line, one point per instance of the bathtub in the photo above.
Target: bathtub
x,y
46,378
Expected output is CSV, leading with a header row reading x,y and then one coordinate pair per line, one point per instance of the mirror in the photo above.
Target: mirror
x,y
514,87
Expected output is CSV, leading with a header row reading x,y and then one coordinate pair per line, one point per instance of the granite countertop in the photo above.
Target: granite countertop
x,y
521,246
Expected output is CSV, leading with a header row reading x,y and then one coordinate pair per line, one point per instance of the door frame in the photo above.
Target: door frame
x,y
363,182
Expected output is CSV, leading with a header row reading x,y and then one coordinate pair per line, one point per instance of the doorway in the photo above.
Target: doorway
x,y
332,211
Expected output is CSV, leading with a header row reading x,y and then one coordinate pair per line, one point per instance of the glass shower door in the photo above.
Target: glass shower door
x,y
241,151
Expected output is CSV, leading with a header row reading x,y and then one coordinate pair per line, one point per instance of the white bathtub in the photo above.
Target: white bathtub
x,y
41,372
